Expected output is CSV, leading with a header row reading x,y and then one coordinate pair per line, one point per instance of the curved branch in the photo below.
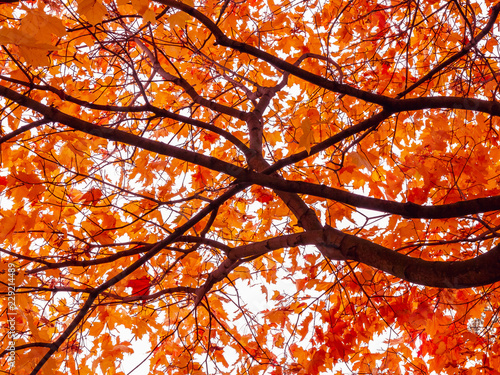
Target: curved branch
x,y
371,122
321,57
189,89
479,271
407,210
325,83
202,125
445,102
91,262
410,210
29,345
140,249
23,129
177,289
132,109
340,88
21,256
117,135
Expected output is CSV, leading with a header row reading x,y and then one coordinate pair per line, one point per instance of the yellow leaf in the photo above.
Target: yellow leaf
x,y
41,26
178,19
33,51
141,6
307,135
93,10
149,16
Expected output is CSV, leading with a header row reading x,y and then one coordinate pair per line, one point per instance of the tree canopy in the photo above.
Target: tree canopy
x,y
250,187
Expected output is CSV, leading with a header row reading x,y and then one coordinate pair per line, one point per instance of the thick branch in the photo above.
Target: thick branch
x,y
410,210
371,122
112,258
445,102
23,129
223,40
479,271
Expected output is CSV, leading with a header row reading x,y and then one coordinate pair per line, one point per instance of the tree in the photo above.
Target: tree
x,y
253,187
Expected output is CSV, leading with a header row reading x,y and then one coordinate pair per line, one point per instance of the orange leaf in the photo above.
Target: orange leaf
x,y
92,196
93,10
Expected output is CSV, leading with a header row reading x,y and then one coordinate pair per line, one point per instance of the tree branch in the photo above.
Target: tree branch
x,y
340,88
479,271
410,210
23,129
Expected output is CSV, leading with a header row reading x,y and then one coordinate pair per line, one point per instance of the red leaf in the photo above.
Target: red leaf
x,y
262,195
140,287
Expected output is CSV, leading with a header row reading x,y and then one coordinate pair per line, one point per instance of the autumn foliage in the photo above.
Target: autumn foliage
x,y
250,187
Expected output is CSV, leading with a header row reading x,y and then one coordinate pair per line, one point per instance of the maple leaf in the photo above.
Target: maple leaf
x,y
141,6
41,25
9,222
33,50
92,196
93,10
262,195
307,137
140,286
317,362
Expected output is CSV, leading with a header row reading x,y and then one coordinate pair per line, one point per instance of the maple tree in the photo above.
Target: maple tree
x,y
276,187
